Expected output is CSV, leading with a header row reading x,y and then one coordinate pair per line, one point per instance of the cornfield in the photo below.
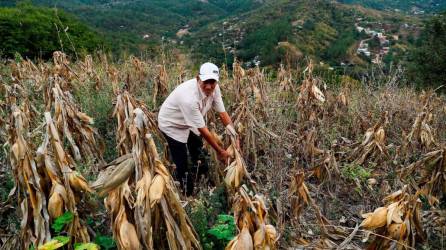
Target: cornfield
x,y
321,164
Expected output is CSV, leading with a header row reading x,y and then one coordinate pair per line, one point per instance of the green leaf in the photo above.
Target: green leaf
x,y
62,239
105,242
86,246
61,221
224,229
224,218
55,243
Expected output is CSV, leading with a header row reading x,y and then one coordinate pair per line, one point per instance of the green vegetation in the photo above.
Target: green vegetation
x,y
213,226
218,30
262,42
37,32
427,62
353,171
224,229
61,221
338,50
405,5
125,23
105,242
319,29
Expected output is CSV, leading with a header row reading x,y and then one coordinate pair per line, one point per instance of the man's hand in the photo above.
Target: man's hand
x,y
224,157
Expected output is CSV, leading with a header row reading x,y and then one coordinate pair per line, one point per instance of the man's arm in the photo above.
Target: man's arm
x,y
225,118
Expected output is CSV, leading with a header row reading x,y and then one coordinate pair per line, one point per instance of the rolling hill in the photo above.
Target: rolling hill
x,y
325,30
253,30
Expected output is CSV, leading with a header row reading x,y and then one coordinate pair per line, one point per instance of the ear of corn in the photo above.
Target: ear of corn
x,y
389,219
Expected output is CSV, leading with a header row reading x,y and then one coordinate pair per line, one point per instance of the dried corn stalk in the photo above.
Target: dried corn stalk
x,y
249,130
398,220
311,98
307,146
326,169
142,199
238,74
32,198
137,76
65,183
421,134
160,84
429,174
113,76
374,143
236,170
125,105
76,126
251,217
300,197
28,70
88,72
284,78
256,80
62,69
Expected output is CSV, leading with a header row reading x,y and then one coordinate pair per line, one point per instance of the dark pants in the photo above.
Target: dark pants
x,y
186,175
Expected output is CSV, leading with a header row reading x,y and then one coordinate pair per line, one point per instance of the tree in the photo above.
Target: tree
x,y
38,32
427,62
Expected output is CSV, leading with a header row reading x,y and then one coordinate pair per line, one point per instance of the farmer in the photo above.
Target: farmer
x,y
181,120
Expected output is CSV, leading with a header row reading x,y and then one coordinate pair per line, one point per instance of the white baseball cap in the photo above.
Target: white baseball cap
x,y
209,71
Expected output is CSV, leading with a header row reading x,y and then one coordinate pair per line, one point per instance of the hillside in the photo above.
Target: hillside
x,y
141,24
325,30
37,32
417,7
219,29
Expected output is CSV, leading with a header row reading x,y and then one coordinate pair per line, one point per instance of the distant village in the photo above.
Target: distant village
x,y
376,55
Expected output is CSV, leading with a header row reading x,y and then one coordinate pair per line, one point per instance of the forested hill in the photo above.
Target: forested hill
x,y
410,6
254,30
326,30
142,23
35,32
